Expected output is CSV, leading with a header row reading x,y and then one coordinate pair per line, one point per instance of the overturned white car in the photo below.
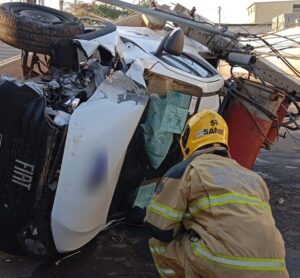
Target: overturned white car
x,y
77,142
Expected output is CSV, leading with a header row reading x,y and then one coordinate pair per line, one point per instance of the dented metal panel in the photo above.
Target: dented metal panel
x,y
137,49
97,141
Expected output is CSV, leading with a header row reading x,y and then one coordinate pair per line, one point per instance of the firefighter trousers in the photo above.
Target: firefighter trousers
x,y
177,259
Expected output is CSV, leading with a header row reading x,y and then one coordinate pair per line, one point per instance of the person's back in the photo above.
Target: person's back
x,y
230,210
209,216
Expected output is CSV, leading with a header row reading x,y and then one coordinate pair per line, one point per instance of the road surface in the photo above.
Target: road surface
x,y
123,251
7,52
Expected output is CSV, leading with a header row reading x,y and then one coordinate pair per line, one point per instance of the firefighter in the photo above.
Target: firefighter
x,y
209,216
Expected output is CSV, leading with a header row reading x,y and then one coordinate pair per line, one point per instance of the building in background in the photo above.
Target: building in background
x,y
264,12
248,28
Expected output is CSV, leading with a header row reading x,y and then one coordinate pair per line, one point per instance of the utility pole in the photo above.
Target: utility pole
x,y
61,5
219,14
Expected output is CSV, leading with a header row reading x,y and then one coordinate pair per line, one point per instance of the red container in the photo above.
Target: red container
x,y
249,126
273,133
245,139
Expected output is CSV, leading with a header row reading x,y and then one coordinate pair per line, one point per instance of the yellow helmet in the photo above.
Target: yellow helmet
x,y
204,128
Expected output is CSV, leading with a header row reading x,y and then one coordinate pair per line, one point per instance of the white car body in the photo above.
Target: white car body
x,y
102,128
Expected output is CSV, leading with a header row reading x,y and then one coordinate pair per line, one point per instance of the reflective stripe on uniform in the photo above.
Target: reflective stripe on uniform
x,y
187,216
157,249
236,262
225,199
164,271
165,211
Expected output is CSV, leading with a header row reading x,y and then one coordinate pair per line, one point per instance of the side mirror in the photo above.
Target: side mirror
x,y
174,42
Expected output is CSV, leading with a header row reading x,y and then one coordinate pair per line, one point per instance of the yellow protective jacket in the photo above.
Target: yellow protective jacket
x,y
228,207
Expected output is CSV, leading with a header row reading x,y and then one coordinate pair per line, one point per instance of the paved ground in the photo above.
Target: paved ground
x,y
123,252
280,168
7,51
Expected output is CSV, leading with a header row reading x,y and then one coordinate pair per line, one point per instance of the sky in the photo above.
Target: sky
x,y
232,11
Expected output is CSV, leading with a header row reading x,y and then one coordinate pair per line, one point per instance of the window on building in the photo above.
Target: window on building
x,y
296,8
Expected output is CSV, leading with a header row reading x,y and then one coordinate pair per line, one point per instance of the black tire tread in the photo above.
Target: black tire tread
x,y
36,36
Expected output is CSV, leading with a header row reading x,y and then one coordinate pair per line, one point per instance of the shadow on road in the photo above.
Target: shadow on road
x,y
9,243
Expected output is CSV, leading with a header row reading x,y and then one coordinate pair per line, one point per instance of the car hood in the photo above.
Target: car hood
x,y
137,45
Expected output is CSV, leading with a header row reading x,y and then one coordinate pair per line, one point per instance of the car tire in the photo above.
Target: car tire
x,y
36,28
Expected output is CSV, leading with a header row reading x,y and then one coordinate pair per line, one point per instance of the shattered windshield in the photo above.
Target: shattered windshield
x,y
186,64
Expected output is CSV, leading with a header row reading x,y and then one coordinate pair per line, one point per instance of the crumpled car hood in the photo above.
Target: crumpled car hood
x,y
136,45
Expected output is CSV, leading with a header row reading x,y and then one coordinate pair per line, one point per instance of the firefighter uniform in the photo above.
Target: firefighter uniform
x,y
210,217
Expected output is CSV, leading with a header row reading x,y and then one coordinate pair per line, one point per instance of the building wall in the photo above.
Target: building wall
x,y
249,28
263,12
285,21
252,13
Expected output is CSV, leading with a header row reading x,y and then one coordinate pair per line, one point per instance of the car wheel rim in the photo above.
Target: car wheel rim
x,y
40,16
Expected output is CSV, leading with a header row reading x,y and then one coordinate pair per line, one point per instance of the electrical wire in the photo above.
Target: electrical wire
x,y
284,37
284,60
274,71
297,127
295,139
257,37
263,40
279,46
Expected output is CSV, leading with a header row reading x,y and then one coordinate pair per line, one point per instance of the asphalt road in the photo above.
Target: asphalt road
x,y
7,51
123,251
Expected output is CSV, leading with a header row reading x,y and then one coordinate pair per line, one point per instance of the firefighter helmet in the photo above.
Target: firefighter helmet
x,y
204,128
